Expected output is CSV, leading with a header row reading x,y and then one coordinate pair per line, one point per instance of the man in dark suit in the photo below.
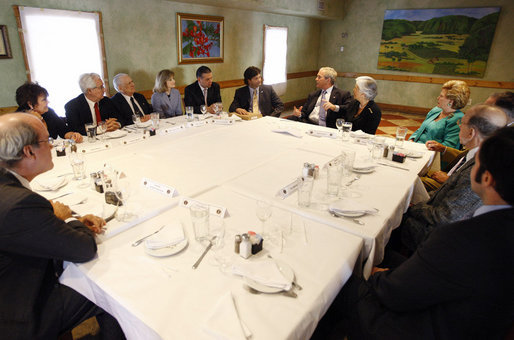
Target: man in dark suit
x,y
202,92
128,101
255,97
458,284
91,106
323,106
35,237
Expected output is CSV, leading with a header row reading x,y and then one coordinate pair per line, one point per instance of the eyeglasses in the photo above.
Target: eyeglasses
x,y
50,141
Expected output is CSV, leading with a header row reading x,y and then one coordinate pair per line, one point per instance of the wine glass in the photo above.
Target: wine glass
x,y
369,144
339,125
203,109
122,190
263,212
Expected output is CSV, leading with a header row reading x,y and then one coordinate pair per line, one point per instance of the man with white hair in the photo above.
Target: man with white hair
x,y
323,106
91,106
36,236
128,101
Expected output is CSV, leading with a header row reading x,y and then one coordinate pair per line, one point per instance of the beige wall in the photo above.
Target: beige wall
x,y
140,39
363,22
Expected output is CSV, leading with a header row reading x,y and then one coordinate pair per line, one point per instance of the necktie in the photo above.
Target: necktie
x,y
322,112
457,166
97,114
255,102
205,96
137,111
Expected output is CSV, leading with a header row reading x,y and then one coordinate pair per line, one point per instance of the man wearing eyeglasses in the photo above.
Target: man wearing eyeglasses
x,y
91,106
36,236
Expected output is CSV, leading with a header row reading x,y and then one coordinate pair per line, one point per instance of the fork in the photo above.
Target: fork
x,y
355,220
251,290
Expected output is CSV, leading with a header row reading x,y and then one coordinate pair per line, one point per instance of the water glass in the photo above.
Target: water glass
x,y
200,220
78,165
91,132
401,132
339,125
347,128
305,185
334,172
101,129
378,150
154,116
189,113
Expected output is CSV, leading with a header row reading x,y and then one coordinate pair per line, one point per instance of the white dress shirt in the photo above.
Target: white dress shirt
x,y
314,116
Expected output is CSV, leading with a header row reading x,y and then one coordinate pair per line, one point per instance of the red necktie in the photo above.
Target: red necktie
x,y
97,113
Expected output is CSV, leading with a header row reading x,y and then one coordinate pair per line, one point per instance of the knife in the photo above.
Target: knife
x,y
393,166
197,263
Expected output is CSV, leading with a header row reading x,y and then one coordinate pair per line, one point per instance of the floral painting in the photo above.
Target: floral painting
x,y
200,38
452,41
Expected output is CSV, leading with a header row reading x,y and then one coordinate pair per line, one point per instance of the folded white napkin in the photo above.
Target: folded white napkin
x,y
264,272
224,322
50,184
167,237
363,164
360,134
350,206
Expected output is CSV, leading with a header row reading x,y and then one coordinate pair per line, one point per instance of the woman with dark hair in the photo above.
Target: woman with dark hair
x,y
32,98
166,98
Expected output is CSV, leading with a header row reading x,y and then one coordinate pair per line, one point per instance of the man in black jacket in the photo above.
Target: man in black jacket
x,y
202,92
128,101
35,237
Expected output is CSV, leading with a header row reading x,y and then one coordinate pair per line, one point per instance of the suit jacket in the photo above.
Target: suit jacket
x,y
269,103
337,97
32,240
56,125
78,113
193,96
367,121
457,285
452,202
125,111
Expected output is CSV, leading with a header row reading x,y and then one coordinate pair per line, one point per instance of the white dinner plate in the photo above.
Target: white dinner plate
x,y
364,171
286,271
115,134
167,251
349,214
50,185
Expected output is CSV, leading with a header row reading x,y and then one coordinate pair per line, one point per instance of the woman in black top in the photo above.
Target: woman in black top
x,y
362,111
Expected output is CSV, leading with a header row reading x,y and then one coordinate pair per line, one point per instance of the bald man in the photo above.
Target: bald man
x,y
35,237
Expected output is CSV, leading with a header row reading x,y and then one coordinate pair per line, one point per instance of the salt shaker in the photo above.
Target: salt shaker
x,y
237,244
245,248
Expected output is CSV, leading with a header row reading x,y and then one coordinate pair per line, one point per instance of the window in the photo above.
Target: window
x,y
275,56
59,46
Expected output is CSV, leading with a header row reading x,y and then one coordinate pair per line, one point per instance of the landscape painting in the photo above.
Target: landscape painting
x,y
452,41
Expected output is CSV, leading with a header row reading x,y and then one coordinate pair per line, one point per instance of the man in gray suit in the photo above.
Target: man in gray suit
x,y
454,200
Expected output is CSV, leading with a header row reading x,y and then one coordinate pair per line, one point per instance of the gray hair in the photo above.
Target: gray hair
x,y
116,81
368,86
13,137
329,72
88,81
486,119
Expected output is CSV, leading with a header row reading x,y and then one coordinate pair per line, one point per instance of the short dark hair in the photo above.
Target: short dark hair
x,y
28,94
202,70
251,72
505,101
496,156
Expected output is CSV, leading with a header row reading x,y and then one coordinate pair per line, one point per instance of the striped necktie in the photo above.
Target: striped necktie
x,y
322,112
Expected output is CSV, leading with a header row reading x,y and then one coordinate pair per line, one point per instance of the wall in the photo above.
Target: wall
x,y
363,22
140,39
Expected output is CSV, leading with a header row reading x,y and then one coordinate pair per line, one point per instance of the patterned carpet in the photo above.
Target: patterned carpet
x,y
392,119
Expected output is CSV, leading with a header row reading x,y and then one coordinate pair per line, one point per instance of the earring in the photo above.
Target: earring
x,y
449,105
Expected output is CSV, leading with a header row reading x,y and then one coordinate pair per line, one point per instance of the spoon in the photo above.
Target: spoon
x,y
355,220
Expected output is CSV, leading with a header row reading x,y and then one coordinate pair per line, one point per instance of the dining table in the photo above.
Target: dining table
x,y
228,165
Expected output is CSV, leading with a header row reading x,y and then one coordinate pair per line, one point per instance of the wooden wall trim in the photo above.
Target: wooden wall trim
x,y
7,109
430,80
422,111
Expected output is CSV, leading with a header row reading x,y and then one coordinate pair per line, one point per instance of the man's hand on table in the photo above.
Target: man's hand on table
x,y
145,118
62,211
210,109
112,124
242,111
94,223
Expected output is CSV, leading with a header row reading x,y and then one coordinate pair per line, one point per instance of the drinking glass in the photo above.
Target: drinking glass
x,y
189,113
155,119
122,190
203,109
347,128
339,125
101,129
200,219
334,172
218,107
401,132
369,144
378,150
137,120
263,212
78,165
304,191
91,132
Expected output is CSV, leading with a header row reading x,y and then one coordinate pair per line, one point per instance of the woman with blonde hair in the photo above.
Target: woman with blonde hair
x,y
442,122
166,98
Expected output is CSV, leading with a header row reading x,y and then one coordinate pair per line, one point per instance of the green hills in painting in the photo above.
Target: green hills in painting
x,y
452,44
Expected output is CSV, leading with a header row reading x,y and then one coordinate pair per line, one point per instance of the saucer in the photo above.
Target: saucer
x,y
167,251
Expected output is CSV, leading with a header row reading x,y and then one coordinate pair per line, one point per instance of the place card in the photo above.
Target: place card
x,y
171,129
288,189
134,140
99,147
196,123
319,133
159,187
215,210
224,121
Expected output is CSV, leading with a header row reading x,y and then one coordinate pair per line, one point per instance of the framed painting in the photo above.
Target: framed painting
x,y
5,48
451,41
199,39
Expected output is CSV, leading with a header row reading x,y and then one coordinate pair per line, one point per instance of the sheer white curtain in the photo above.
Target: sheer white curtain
x,y
275,58
60,46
